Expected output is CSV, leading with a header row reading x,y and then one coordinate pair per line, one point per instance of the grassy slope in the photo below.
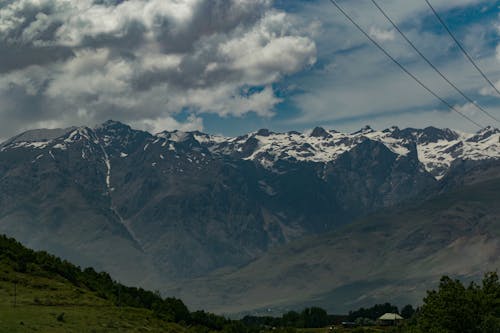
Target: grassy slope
x,y
41,300
394,256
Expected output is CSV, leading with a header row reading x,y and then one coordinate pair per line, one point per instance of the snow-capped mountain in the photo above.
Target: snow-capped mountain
x,y
186,203
436,149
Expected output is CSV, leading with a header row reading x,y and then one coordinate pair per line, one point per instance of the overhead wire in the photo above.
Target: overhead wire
x,y
403,68
464,51
429,62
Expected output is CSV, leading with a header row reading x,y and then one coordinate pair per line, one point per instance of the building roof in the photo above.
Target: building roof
x,y
391,316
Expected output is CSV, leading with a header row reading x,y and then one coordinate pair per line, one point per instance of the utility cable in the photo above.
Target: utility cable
x,y
479,107
462,48
403,68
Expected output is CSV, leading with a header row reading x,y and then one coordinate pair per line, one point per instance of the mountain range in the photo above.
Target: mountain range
x,y
195,214
395,255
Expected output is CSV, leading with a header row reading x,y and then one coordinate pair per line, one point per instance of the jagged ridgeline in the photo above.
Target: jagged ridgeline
x,y
41,292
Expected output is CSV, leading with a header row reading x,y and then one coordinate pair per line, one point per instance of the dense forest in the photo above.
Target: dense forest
x,y
452,308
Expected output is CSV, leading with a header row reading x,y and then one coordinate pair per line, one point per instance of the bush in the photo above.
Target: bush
x,y
456,308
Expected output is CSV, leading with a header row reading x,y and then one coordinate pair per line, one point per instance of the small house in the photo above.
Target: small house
x,y
390,319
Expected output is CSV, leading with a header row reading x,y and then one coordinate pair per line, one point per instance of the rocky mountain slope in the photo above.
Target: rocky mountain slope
x,y
394,255
155,208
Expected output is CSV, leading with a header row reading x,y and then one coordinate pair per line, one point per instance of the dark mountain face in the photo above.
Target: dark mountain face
x,y
426,135
370,176
57,199
320,132
153,208
394,255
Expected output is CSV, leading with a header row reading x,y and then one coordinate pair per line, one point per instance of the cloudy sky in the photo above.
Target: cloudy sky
x,y
232,66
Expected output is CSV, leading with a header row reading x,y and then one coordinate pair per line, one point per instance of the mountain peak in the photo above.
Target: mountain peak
x,y
488,129
434,134
176,136
320,132
116,129
264,132
365,130
39,135
113,124
486,133
392,129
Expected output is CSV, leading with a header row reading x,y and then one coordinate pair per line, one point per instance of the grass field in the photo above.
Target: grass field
x,y
54,305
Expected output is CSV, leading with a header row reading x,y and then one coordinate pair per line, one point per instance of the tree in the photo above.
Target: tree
x,y
407,311
314,317
374,312
291,319
456,308
490,296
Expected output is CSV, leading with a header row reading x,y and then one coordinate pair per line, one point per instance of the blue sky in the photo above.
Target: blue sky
x,y
234,66
475,24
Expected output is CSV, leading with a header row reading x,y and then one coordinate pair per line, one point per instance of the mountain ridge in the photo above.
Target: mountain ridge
x,y
153,209
436,148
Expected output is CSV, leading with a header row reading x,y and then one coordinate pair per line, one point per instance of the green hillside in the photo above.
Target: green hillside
x,y
41,293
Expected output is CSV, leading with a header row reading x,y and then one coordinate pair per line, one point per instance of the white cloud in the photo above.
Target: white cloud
x,y
144,61
367,87
267,51
167,123
382,35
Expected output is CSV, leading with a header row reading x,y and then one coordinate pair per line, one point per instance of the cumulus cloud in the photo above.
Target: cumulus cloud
x,y
160,124
144,61
382,35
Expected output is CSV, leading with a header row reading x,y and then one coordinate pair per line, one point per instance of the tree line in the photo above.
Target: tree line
x,y
40,263
453,307
313,317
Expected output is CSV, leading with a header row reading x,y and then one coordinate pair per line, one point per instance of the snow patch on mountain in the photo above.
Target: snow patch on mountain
x,y
397,146
437,149
108,169
438,156
60,146
25,144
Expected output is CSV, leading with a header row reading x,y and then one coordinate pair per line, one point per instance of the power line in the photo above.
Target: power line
x,y
480,108
451,107
461,47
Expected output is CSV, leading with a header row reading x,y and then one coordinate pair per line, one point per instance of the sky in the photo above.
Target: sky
x,y
234,66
